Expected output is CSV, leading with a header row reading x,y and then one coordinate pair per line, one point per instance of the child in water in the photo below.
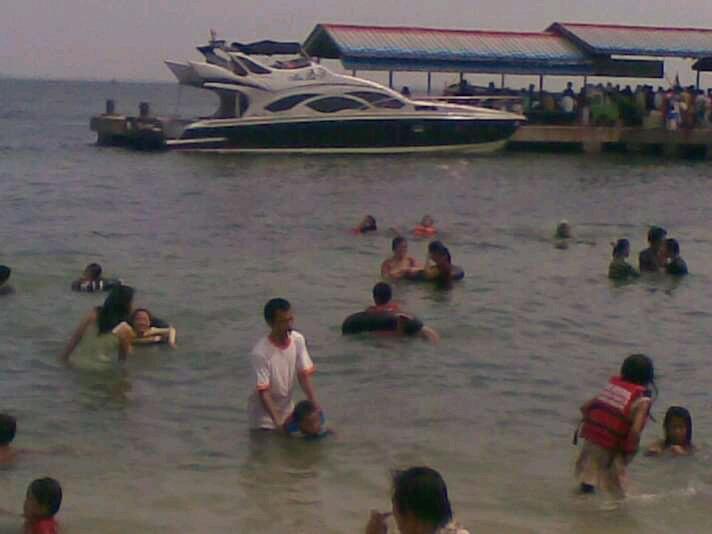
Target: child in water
x,y
612,424
367,224
619,269
306,421
144,329
426,227
8,427
674,264
44,497
678,434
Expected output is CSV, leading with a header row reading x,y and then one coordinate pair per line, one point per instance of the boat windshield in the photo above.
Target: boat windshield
x,y
296,63
378,100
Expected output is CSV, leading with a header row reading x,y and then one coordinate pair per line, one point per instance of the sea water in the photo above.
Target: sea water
x,y
162,445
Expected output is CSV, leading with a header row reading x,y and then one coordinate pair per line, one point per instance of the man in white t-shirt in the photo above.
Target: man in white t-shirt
x,y
277,359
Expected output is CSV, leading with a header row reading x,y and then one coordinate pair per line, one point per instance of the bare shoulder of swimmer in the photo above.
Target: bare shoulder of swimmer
x,y
430,334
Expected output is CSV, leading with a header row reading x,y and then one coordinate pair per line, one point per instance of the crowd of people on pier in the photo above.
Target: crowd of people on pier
x,y
611,425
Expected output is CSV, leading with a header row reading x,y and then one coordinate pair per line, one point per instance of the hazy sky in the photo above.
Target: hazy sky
x,y
128,39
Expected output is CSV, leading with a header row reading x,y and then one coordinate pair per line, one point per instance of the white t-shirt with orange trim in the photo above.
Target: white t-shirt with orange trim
x,y
275,369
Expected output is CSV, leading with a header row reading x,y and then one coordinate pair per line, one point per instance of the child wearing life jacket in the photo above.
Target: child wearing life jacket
x,y
678,434
613,422
426,227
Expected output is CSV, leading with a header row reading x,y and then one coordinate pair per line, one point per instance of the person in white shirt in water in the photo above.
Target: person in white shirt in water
x,y
278,359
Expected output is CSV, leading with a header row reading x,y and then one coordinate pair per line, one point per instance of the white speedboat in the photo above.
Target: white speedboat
x,y
298,105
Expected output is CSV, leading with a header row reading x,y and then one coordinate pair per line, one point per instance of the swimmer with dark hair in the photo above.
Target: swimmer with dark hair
x,y
397,324
8,428
677,426
652,259
367,224
144,329
91,281
5,288
619,269
400,263
382,295
426,227
563,230
674,264
306,421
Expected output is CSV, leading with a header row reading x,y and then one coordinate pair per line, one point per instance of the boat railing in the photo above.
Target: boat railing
x,y
500,102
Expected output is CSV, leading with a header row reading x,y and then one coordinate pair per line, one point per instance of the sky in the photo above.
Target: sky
x,y
129,39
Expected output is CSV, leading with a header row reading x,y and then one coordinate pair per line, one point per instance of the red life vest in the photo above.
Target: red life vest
x,y
424,231
608,420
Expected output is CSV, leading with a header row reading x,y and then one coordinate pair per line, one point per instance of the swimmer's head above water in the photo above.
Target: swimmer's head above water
x,y
8,428
43,499
382,293
399,246
92,272
563,230
656,236
308,418
367,224
678,427
278,315
140,320
621,248
427,221
4,274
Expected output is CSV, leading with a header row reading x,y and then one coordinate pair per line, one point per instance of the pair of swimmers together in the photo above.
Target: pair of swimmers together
x,y
438,265
613,422
425,228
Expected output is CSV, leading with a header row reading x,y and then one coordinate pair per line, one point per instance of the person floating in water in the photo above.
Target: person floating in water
x,y
5,288
91,281
142,329
420,505
306,421
382,295
563,230
277,359
8,428
651,259
678,434
42,502
426,227
619,269
367,224
612,424
400,263
674,264
115,310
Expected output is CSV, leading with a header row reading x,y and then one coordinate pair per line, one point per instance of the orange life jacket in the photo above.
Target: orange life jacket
x,y
424,231
608,420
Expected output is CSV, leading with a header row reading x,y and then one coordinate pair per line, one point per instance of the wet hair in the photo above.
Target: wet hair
x,y
437,247
8,427
303,409
638,369
656,234
422,493
94,270
273,306
673,246
4,273
563,229
370,224
620,246
381,293
397,241
682,413
134,313
116,308
48,493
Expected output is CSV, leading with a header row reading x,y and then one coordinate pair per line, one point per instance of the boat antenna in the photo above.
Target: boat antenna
x,y
213,36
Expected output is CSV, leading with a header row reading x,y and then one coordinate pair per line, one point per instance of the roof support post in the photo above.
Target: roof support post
x,y
541,86
585,80
390,79
502,81
698,80
353,73
430,82
462,77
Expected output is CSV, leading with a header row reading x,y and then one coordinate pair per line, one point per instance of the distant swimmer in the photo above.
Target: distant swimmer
x,y
91,281
438,267
678,434
102,321
652,259
563,230
8,428
144,329
5,288
612,424
619,269
400,263
426,227
307,421
674,264
396,324
367,225
382,295
278,359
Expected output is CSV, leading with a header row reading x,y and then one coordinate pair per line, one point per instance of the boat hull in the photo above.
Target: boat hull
x,y
376,136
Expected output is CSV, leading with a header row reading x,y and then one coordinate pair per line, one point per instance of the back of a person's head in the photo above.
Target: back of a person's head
x,y
303,409
672,246
620,247
421,492
48,493
397,241
273,306
94,270
681,413
8,427
638,369
116,308
381,293
656,234
4,273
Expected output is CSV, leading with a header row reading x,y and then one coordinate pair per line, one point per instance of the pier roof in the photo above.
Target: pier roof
x,y
611,39
441,50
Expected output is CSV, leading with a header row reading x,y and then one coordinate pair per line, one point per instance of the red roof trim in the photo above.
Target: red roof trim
x,y
412,29
629,28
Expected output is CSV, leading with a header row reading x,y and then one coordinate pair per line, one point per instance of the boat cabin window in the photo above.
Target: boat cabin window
x,y
297,63
237,68
332,104
379,100
426,108
253,67
288,102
